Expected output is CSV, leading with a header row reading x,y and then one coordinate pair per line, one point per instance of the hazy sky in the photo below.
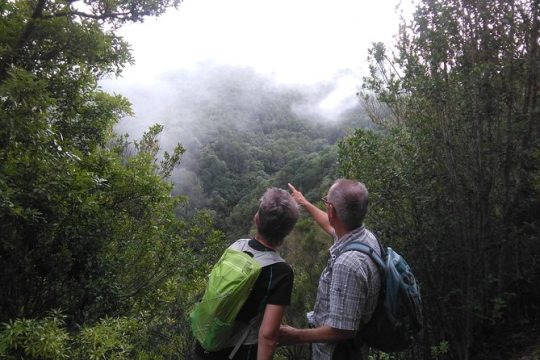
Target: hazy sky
x,y
295,41
290,41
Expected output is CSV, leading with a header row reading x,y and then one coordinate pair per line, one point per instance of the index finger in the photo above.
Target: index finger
x,y
293,189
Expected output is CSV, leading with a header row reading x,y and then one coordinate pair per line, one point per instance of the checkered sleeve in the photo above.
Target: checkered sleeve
x,y
347,292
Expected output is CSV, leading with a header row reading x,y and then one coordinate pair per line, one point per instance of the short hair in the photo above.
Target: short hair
x,y
350,200
278,213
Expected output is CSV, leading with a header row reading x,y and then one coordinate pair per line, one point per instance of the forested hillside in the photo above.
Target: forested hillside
x,y
106,239
242,133
247,134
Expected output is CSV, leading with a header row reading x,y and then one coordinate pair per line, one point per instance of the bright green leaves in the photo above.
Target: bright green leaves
x,y
111,338
48,338
35,339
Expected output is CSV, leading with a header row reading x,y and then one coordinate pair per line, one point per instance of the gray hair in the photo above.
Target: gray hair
x,y
278,213
350,200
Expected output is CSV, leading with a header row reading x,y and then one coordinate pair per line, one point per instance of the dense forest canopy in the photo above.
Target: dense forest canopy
x,y
243,132
105,241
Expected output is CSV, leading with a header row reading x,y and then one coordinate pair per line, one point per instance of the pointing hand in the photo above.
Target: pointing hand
x,y
297,195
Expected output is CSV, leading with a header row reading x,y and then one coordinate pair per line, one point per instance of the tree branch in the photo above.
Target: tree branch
x,y
104,16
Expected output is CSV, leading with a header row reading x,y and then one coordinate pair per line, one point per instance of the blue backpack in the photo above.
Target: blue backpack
x,y
397,319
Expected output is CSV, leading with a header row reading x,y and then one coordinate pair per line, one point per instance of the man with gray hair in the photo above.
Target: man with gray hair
x,y
349,285
265,306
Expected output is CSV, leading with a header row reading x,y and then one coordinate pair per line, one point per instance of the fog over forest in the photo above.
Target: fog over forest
x,y
193,103
241,131
178,99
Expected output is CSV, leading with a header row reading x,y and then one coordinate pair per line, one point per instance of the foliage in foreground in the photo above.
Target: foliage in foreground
x,y
88,226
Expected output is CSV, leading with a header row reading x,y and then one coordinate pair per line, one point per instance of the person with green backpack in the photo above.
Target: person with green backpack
x,y
248,289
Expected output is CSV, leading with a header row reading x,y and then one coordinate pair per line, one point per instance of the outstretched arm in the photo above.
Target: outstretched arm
x,y
317,214
321,334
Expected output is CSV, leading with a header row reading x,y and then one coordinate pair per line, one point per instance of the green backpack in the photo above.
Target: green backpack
x,y
229,285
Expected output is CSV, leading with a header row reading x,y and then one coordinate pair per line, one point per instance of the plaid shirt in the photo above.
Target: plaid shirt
x,y
348,289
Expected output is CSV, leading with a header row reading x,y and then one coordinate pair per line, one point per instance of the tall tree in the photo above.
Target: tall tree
x,y
454,170
67,196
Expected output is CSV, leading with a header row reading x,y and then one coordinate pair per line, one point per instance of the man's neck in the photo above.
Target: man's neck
x,y
263,241
341,231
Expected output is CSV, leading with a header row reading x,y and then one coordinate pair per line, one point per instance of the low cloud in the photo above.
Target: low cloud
x,y
185,101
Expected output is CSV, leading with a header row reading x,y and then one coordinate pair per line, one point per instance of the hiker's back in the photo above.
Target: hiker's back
x,y
348,290
273,285
397,319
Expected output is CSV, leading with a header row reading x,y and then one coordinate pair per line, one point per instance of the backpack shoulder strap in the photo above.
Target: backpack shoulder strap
x,y
240,245
368,250
264,258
